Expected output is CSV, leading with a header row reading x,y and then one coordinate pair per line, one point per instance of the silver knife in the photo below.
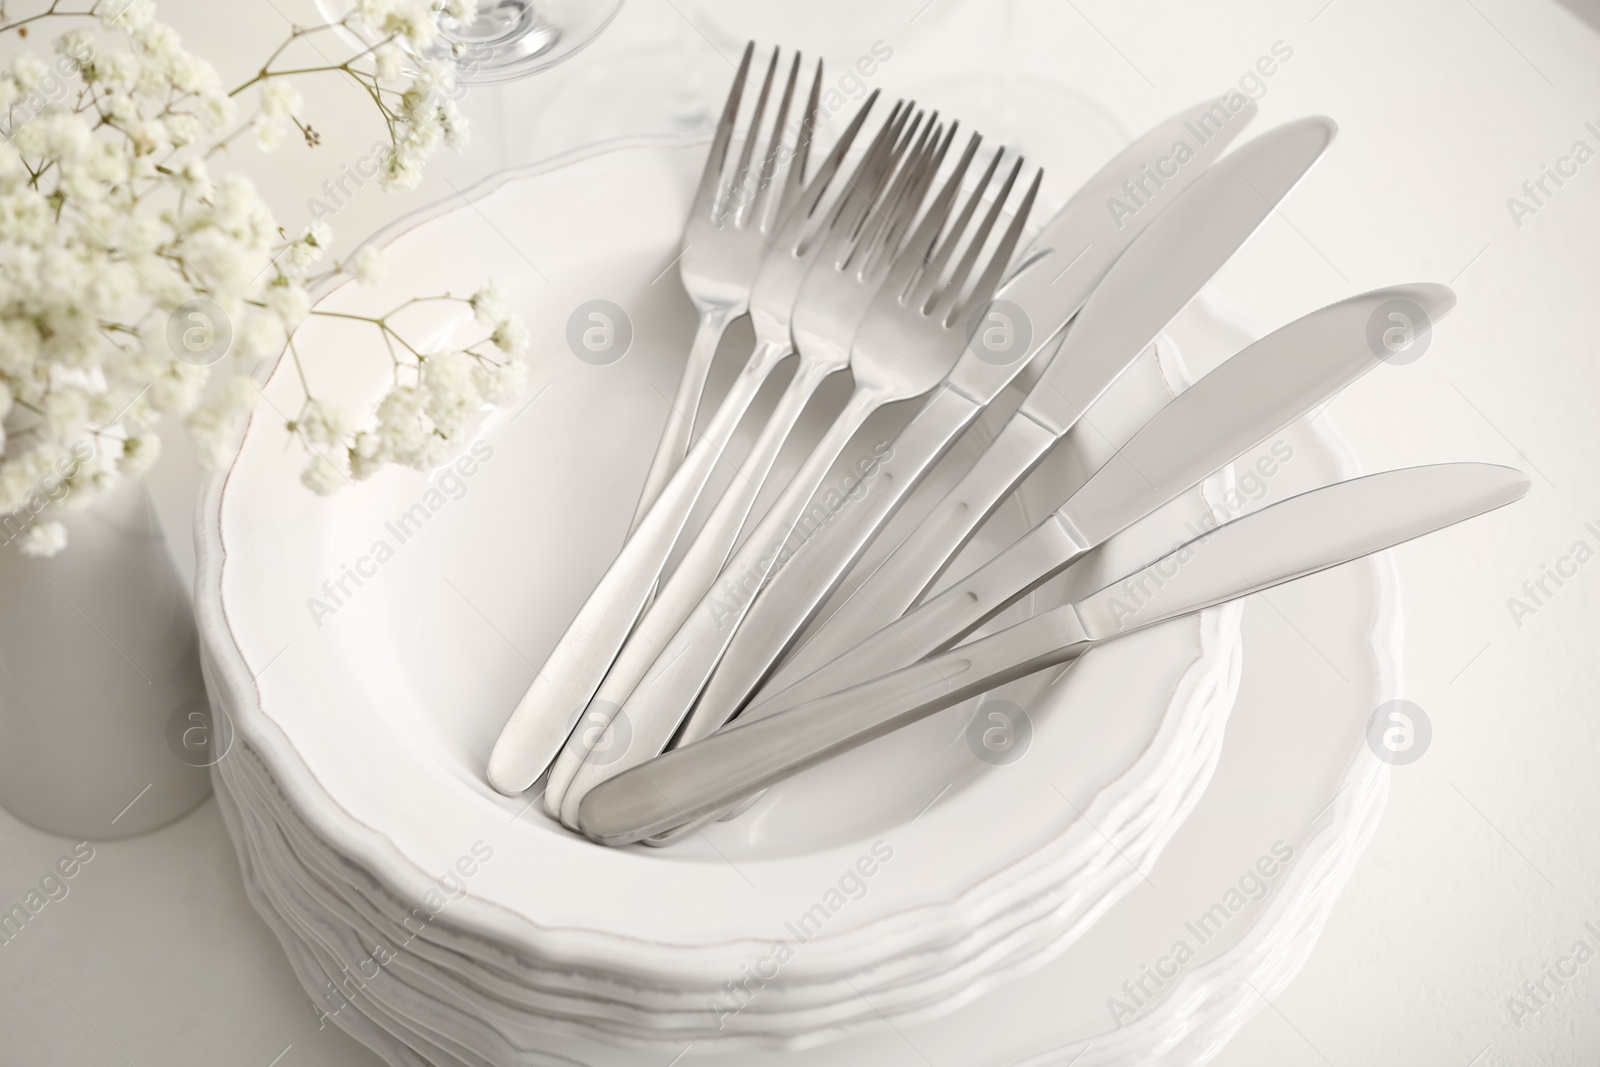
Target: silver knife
x,y
1241,403
1152,281
1299,536
1063,264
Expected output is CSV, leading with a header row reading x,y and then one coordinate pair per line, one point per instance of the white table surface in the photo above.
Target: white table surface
x,y
1483,872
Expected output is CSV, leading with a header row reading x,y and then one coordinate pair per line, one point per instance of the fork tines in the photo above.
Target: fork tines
x,y
920,269
743,193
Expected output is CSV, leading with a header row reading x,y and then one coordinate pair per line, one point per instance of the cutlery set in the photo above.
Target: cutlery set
x,y
674,698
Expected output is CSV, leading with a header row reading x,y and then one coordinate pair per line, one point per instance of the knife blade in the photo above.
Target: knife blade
x,y
1241,403
1152,281
1062,265
1291,539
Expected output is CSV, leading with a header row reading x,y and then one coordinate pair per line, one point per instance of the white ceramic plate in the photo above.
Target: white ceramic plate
x,y
1295,776
375,724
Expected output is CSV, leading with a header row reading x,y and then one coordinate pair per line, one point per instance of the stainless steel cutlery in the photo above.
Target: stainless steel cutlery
x,y
1299,536
898,265
1155,277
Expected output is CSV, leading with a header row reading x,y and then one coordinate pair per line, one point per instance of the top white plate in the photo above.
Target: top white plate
x,y
376,720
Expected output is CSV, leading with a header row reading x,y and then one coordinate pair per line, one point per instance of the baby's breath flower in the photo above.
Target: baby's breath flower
x,y
388,60
510,336
139,454
288,300
501,383
487,304
43,539
268,131
110,222
321,423
259,335
280,99
322,477
450,395
367,265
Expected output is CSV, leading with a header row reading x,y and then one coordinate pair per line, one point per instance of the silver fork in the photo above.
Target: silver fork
x,y
728,231
903,347
545,716
786,289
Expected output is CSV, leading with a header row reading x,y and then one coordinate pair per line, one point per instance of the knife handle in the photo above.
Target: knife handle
x,y
724,768
1032,560
921,558
795,593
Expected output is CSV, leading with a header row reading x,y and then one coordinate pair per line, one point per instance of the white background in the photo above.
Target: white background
x,y
1484,869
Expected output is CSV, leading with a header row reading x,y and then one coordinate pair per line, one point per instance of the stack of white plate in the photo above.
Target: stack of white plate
x,y
947,894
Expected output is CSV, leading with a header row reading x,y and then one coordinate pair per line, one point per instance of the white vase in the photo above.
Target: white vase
x,y
101,698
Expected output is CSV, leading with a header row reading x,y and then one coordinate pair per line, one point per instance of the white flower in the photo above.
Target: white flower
x,y
322,423
288,301
454,125
65,412
43,539
367,265
183,130
402,435
193,179
280,99
510,336
127,15
268,131
216,427
176,388
366,456
388,60
487,304
258,336
119,70
29,70
139,454
501,383
461,9
5,408
310,245
77,45
322,477
450,395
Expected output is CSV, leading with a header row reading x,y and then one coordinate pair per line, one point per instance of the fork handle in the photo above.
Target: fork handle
x,y
674,443
919,560
694,575
799,590
545,715
660,702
